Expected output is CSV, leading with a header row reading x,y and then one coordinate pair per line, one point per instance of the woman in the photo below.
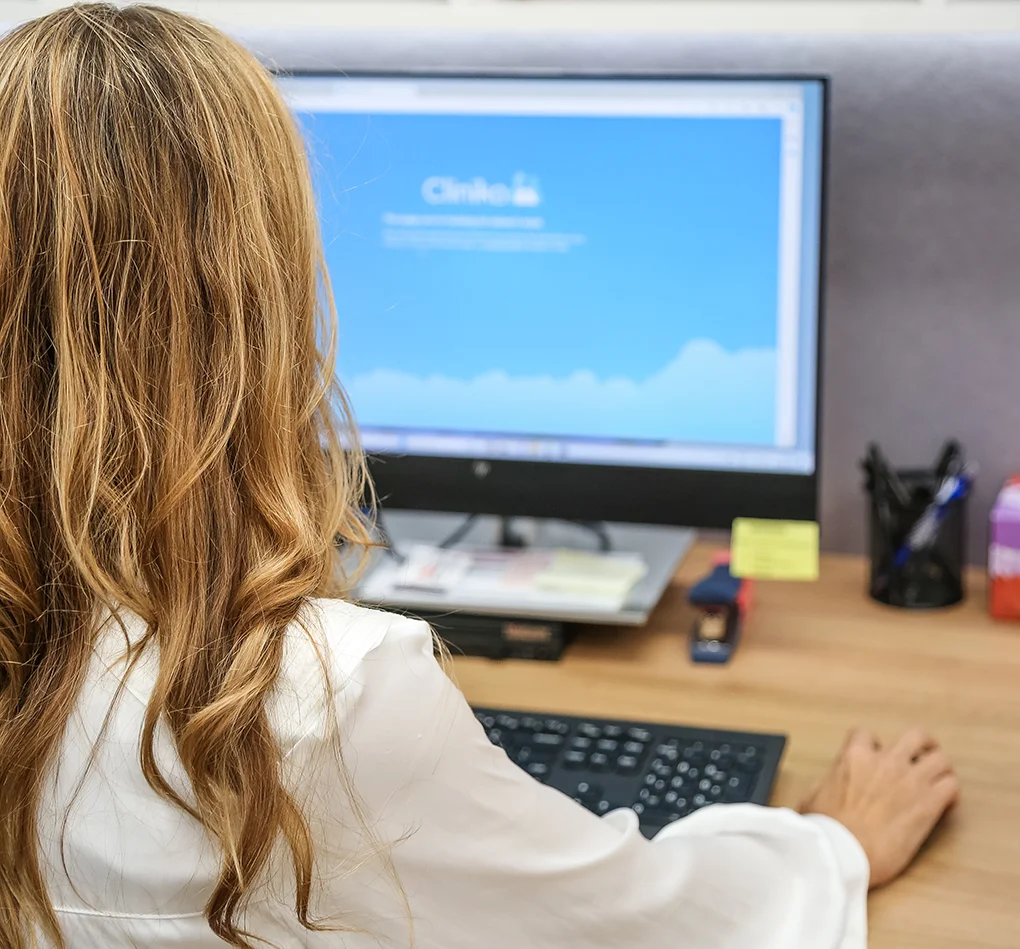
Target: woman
x,y
197,748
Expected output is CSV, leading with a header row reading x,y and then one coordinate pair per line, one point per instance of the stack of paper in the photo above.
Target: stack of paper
x,y
502,579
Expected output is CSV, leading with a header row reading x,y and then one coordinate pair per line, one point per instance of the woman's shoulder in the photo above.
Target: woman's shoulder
x,y
349,632
326,653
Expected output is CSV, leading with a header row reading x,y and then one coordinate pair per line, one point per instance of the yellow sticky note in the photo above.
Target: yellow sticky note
x,y
774,550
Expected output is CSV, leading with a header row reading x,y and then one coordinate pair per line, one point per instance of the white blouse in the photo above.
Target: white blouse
x,y
436,836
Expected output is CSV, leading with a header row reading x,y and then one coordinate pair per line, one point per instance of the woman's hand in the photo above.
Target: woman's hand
x,y
889,798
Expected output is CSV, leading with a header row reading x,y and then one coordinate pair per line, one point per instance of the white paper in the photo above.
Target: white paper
x,y
498,579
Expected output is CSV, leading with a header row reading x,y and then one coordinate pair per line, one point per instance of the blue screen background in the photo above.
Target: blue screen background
x,y
658,325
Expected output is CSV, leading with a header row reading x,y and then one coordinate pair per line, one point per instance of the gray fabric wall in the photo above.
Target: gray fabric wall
x,y
923,309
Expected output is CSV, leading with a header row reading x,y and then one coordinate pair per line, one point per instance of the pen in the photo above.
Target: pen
x,y
882,473
925,531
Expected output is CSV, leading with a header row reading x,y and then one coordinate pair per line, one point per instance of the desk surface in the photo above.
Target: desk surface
x,y
815,660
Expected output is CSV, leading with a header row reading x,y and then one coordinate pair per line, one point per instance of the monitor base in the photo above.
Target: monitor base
x,y
661,548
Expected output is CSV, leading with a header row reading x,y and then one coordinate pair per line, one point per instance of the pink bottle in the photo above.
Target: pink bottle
x,y
1004,553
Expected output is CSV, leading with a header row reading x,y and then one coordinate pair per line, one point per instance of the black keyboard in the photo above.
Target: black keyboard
x,y
662,772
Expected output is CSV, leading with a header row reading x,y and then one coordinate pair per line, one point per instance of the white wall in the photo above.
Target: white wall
x,y
657,16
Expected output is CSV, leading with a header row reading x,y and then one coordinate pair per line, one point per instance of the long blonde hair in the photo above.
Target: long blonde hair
x,y
172,438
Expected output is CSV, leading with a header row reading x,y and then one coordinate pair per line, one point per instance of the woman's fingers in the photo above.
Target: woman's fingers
x,y
942,795
861,739
914,743
933,765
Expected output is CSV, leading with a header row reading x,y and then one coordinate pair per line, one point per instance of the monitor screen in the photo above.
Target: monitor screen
x,y
612,272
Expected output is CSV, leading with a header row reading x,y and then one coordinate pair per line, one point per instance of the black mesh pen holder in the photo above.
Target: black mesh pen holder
x,y
906,570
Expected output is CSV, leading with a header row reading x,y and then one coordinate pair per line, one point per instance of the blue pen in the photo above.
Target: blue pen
x,y
924,532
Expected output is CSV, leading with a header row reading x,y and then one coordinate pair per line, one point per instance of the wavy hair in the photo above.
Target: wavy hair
x,y
171,436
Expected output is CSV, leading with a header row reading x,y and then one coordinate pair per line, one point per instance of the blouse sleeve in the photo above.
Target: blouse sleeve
x,y
487,856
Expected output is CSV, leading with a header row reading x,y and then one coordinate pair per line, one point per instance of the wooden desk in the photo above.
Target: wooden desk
x,y
817,659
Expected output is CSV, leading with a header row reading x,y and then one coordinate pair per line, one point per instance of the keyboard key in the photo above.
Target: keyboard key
x,y
668,752
604,807
556,726
638,808
530,724
487,721
626,764
640,734
612,731
538,769
589,731
549,741
649,798
508,722
661,768
670,797
683,767
694,753
589,791
599,762
574,760
699,800
660,785
581,744
495,734
679,782
607,745
705,784
634,748
737,787
716,792
650,779
748,759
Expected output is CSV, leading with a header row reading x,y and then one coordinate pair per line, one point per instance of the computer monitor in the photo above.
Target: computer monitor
x,y
588,298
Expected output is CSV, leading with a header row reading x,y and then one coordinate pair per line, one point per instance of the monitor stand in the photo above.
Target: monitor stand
x,y
661,548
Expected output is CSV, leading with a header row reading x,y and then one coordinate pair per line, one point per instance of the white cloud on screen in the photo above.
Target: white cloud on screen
x,y
705,393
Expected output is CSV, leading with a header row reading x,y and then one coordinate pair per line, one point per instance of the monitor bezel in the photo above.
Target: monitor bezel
x,y
702,498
